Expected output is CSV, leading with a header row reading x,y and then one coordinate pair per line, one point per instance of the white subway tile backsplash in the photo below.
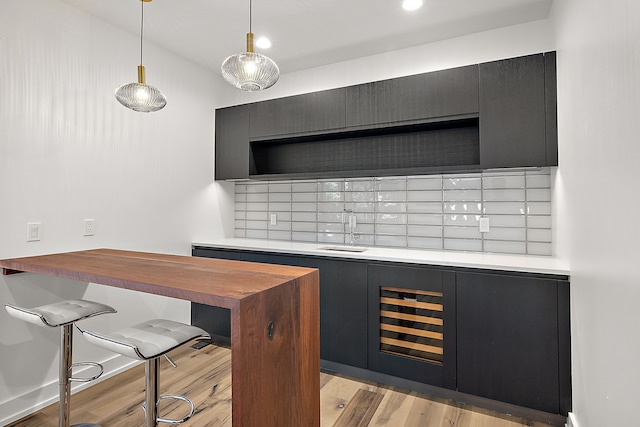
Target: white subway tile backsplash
x,y
539,195
504,208
505,233
502,181
424,183
257,197
303,226
279,235
539,181
391,196
424,230
423,212
463,207
424,196
462,183
462,195
519,221
304,207
303,236
537,248
304,187
539,208
304,216
388,229
462,232
280,187
464,220
390,184
256,216
539,235
424,243
280,197
391,241
424,207
257,207
501,195
391,218
463,245
256,234
539,221
505,247
304,197
424,219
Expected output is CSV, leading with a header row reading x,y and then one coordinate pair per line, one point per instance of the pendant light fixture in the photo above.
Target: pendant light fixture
x,y
249,70
140,96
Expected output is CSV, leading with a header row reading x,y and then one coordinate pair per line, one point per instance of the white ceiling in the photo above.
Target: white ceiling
x,y
306,34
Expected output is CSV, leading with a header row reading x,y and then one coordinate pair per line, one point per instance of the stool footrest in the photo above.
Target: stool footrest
x,y
86,379
169,420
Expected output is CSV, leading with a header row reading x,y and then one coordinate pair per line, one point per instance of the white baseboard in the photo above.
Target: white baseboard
x,y
572,421
48,393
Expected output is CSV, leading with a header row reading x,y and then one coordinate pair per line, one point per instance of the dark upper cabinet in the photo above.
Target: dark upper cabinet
x,y
513,340
439,94
232,143
298,115
516,130
493,115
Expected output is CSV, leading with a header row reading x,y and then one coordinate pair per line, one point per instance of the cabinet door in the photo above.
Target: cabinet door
x,y
508,339
437,94
512,113
298,115
343,310
412,324
232,143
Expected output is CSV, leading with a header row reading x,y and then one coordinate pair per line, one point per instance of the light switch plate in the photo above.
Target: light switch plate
x,y
34,229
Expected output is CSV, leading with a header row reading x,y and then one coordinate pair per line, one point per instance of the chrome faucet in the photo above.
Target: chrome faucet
x,y
351,222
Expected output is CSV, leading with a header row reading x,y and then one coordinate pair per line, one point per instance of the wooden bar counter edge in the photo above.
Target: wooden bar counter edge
x,y
275,320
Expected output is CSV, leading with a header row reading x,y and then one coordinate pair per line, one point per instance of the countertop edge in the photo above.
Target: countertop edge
x,y
477,260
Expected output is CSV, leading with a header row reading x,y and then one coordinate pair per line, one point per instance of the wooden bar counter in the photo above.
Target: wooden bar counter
x,y
275,320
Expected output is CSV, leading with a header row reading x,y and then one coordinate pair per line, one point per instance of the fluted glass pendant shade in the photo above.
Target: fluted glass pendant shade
x,y
249,70
140,96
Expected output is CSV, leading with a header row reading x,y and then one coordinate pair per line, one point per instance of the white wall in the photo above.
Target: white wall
x,y
599,149
69,151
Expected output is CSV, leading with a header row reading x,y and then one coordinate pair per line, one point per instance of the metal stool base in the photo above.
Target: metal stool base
x,y
169,420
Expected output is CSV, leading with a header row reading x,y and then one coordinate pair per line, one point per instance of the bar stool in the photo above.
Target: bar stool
x,y
64,314
149,341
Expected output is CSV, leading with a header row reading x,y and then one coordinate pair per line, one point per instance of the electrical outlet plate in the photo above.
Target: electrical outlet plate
x,y
484,225
274,219
89,227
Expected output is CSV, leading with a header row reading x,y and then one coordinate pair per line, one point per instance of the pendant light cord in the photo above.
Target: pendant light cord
x,y
141,28
250,13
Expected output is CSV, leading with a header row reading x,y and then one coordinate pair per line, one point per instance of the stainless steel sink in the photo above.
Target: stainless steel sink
x,y
344,248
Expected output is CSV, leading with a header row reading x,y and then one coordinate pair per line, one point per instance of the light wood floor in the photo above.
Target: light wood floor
x,y
344,402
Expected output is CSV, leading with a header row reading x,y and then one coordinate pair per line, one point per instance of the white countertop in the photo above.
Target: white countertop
x,y
491,261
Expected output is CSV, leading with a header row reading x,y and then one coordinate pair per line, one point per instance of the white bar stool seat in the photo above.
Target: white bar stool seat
x,y
149,341
64,314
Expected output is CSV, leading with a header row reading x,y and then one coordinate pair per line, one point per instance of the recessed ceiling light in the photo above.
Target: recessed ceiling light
x,y
263,43
411,4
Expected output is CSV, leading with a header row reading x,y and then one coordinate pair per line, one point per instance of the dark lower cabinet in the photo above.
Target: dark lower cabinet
x,y
343,304
502,336
343,310
412,324
512,343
